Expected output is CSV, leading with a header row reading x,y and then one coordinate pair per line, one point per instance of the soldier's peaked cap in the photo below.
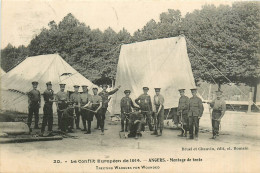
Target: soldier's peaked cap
x,y
34,82
194,89
84,86
157,89
76,86
127,91
48,83
181,90
95,88
62,84
145,88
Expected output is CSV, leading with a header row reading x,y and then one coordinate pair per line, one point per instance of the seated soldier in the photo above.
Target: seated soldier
x,y
136,123
67,118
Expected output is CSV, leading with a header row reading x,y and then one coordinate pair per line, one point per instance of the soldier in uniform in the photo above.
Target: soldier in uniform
x,y
182,111
48,96
85,98
126,105
136,123
104,95
95,105
219,107
195,112
67,118
34,104
145,103
75,98
159,112
61,98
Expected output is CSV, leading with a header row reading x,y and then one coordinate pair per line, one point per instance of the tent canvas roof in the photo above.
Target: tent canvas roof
x,y
160,63
43,68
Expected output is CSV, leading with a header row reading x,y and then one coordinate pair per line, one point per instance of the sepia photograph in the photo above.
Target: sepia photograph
x,y
109,86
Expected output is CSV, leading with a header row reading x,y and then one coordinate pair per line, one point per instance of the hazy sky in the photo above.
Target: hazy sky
x,y
21,20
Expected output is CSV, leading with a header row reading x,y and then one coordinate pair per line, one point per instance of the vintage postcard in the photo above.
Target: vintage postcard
x,y
130,86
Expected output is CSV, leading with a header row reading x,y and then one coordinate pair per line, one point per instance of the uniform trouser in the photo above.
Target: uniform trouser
x,y
97,115
158,120
124,121
62,106
102,117
135,128
77,112
59,119
194,121
85,114
216,114
147,116
66,123
33,109
185,122
215,126
47,118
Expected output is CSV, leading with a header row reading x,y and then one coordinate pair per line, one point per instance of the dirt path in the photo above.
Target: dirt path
x,y
39,156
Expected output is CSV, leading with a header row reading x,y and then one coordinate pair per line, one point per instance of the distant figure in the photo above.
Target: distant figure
x,y
195,112
34,104
104,95
85,98
95,105
75,98
61,98
219,108
126,105
136,124
48,96
145,104
182,112
159,112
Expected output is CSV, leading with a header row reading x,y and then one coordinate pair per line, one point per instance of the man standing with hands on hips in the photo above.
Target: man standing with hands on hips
x,y
145,103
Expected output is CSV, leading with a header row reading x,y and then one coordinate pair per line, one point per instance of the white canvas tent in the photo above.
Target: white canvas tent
x,y
2,72
17,82
160,63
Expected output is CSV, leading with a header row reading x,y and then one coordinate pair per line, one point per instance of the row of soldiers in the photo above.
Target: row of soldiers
x,y
85,105
189,110
69,107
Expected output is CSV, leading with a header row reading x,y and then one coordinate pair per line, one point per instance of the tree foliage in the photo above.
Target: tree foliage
x,y
224,38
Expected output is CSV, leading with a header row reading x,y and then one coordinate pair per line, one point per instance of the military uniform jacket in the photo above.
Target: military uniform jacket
x,y
48,95
61,96
85,98
195,107
158,100
126,105
144,101
75,98
104,95
34,97
183,104
95,101
219,106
